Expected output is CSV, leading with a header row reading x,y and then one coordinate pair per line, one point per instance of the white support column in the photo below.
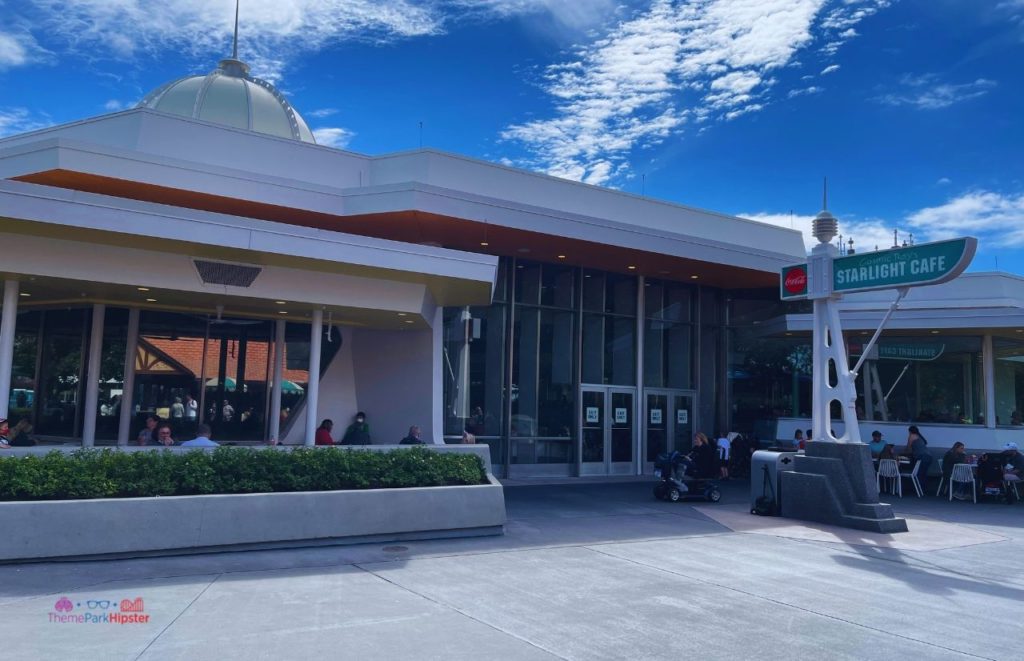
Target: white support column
x,y
7,325
127,408
275,389
92,378
313,390
437,378
640,415
988,360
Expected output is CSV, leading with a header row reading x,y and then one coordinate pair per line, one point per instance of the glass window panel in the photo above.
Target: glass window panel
x,y
543,395
654,299
710,306
1009,381
474,368
621,294
557,286
654,354
620,351
593,348
528,276
593,291
678,303
678,356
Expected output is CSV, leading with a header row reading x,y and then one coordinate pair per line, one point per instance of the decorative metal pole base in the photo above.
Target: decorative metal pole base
x,y
834,483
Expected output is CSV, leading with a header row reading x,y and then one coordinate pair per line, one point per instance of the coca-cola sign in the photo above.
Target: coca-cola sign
x,y
794,281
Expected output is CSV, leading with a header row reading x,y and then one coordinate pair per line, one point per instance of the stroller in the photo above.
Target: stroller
x,y
676,484
990,479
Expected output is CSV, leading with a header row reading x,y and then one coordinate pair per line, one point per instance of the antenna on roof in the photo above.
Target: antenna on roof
x,y
234,47
824,195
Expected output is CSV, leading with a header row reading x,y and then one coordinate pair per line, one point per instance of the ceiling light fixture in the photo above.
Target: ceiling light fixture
x,y
631,267
402,314
561,257
151,300
694,277
281,302
143,288
282,311
26,295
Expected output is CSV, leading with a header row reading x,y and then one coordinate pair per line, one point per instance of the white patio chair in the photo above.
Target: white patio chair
x,y
912,476
942,477
1011,484
964,474
890,470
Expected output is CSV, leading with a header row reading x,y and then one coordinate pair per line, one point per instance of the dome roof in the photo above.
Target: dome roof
x,y
230,96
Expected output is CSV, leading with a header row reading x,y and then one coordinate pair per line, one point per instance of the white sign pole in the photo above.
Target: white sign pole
x,y
829,355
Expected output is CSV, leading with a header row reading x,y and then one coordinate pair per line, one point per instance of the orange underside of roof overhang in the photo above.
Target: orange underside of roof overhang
x,y
427,228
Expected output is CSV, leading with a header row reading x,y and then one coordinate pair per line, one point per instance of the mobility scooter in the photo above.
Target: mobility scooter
x,y
676,484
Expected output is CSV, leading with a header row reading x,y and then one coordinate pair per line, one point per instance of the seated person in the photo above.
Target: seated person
x,y
148,434
21,434
704,458
956,455
5,431
877,444
163,435
413,438
323,433
202,439
1013,463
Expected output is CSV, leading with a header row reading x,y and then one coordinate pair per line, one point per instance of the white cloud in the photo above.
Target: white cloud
x,y
928,93
672,64
336,137
18,49
271,32
945,181
866,234
113,105
813,89
829,69
19,120
985,214
320,113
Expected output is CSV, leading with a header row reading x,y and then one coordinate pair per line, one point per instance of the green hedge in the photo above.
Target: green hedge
x,y
113,474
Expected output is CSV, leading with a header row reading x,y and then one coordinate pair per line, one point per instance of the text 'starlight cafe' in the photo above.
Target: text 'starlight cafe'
x,y
202,248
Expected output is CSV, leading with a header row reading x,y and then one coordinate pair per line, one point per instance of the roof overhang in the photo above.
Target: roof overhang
x,y
111,246
415,197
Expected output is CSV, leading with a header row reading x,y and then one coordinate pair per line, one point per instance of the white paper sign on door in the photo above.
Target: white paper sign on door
x,y
682,416
593,415
655,416
620,416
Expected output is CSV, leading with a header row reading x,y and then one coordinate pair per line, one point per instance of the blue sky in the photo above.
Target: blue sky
x,y
914,109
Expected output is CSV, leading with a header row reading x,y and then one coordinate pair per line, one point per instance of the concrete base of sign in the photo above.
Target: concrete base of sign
x,y
834,483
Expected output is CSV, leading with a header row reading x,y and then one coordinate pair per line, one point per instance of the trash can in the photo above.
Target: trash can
x,y
775,462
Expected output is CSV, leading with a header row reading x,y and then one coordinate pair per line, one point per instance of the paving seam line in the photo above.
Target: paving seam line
x,y
464,614
182,612
782,603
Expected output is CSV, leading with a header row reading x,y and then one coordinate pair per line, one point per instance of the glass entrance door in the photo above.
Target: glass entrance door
x,y
607,431
668,423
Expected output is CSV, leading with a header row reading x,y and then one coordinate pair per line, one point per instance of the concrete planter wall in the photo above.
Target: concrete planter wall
x,y
137,526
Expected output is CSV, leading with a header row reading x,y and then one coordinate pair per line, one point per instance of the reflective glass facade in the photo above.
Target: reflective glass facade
x,y
554,372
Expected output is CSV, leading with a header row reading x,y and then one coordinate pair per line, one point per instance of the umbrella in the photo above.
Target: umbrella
x,y
229,383
290,386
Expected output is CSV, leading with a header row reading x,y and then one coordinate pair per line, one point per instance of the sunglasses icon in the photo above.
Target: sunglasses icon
x,y
102,603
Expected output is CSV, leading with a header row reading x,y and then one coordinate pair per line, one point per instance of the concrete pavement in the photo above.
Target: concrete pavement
x,y
585,571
